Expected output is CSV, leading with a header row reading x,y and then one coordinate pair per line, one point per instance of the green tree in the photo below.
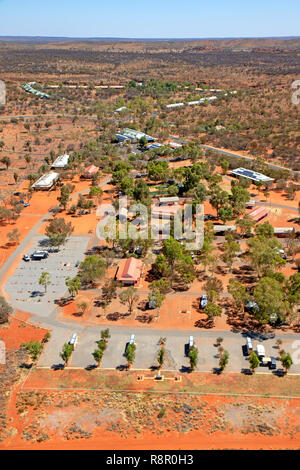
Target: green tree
x,y
225,166
58,230
6,161
98,355
286,361
64,196
34,348
73,285
245,224
129,297
161,285
253,361
193,357
264,254
45,280
82,306
223,360
96,192
292,289
108,292
239,294
225,213
14,236
66,352
218,197
269,296
239,197
157,297
161,356
92,269
160,267
264,230
105,334
232,248
212,310
130,354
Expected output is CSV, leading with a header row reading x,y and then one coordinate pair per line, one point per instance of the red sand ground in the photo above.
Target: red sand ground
x,y
202,438
19,331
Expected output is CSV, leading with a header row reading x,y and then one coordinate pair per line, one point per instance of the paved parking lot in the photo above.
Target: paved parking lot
x,y
23,286
176,358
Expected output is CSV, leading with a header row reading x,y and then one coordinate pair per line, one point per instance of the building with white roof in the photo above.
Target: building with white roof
x,y
175,105
46,181
251,175
61,161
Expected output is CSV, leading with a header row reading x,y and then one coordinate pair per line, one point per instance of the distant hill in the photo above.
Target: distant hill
x,y
285,43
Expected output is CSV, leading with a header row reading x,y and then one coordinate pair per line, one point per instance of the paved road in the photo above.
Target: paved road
x,y
232,154
176,348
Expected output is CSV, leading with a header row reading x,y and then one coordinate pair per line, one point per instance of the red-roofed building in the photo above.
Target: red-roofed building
x,y
258,213
90,171
130,271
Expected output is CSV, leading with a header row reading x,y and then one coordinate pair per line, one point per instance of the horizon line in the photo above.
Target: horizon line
x,y
147,38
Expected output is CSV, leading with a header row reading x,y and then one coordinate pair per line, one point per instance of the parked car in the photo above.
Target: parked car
x,y
138,175
132,338
40,254
249,345
74,339
208,217
281,252
191,342
26,258
272,364
26,204
268,361
203,301
260,350
151,304
17,193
